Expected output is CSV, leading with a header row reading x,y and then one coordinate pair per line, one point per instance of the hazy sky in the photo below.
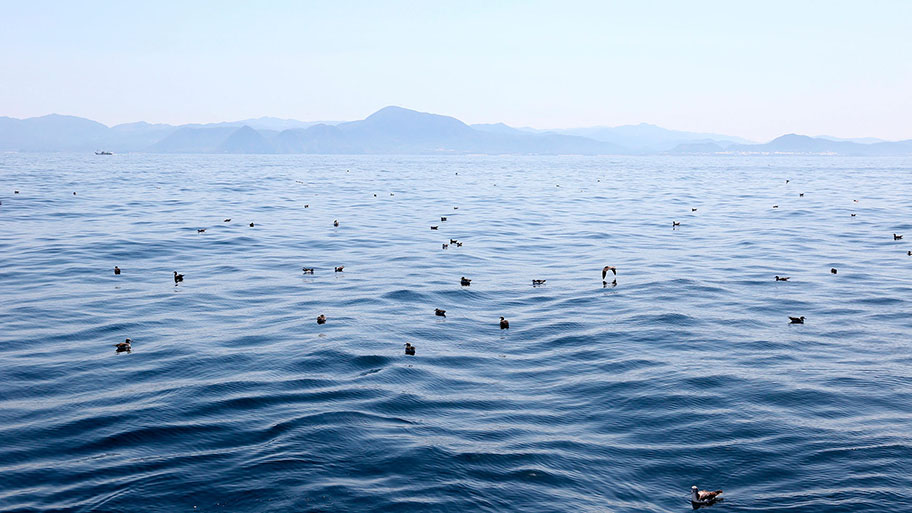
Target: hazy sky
x,y
755,69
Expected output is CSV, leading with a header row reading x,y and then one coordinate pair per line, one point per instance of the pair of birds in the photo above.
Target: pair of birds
x,y
504,324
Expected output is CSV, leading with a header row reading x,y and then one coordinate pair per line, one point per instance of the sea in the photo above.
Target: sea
x,y
612,395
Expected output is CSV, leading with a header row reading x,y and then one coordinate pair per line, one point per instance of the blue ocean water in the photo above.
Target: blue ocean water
x,y
599,397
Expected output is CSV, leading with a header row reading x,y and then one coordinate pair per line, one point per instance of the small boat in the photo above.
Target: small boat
x,y
103,153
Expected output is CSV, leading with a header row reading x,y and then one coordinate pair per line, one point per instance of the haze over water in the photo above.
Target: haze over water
x,y
596,399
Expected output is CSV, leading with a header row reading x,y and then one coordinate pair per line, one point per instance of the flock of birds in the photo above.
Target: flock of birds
x,y
699,497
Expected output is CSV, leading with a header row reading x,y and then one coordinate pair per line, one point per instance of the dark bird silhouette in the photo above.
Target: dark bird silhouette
x,y
675,223
74,193
538,282
504,324
124,346
15,192
853,214
796,320
340,268
693,210
227,220
307,205
201,230
453,241
178,278
375,195
608,268
458,244
321,319
336,222
442,218
800,194
465,282
782,278
897,237
116,270
445,245
439,312
909,253
433,227
409,349
786,181
775,206
308,270
698,496
833,270
455,208
251,225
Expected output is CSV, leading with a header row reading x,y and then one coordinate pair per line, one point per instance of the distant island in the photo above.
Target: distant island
x,y
396,130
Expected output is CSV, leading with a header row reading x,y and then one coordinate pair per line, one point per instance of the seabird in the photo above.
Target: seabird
x,y
538,282
227,220
800,194
775,206
321,319
833,270
439,312
896,237
340,268
178,278
465,282
453,241
698,496
675,223
116,270
853,214
74,193
796,320
693,210
409,349
455,208
504,324
786,181
307,205
445,245
124,346
200,230
782,278
335,222
909,253
251,225
308,270
608,268
458,244
433,227
15,192
442,218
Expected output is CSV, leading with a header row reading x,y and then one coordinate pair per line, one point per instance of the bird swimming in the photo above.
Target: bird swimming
x,y
538,282
201,230
336,222
178,278
458,244
775,206
693,210
698,496
853,214
440,313
442,218
445,245
782,278
124,346
308,270
675,223
340,268
897,237
453,241
608,268
833,270
433,227
251,225
307,205
228,220
504,324
796,320
409,349
321,319
465,282
116,270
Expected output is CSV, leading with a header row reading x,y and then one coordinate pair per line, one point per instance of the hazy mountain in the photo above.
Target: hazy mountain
x,y
802,144
245,140
862,140
52,132
646,138
193,140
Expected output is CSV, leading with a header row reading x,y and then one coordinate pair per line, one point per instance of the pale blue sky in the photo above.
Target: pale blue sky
x,y
755,69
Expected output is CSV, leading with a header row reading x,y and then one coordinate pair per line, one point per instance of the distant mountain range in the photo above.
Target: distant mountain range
x,y
395,130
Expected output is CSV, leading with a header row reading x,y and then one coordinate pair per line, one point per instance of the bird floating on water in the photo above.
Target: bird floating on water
x,y
442,218
308,270
702,497
201,230
124,347
340,268
775,206
608,268
116,270
321,319
433,227
228,220
909,253
787,181
307,205
178,278
693,210
504,324
800,194
445,245
336,222
833,270
440,313
897,237
455,208
796,320
465,282
458,244
782,278
536,283
409,349
675,223
853,214
251,225
453,241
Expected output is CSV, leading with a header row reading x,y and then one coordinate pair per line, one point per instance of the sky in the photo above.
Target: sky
x,y
753,69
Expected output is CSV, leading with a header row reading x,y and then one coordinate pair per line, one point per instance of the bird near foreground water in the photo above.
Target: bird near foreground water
x,y
504,324
440,313
698,496
201,230
308,270
693,210
433,227
409,349
787,181
853,214
442,218
465,282
124,346
458,244
897,237
227,220
775,206
782,278
178,278
796,320
251,225
453,241
445,245
800,194
340,268
909,253
116,270
675,223
336,222
538,282
833,270
608,268
321,319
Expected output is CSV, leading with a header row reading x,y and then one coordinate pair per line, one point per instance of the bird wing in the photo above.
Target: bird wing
x,y
705,495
